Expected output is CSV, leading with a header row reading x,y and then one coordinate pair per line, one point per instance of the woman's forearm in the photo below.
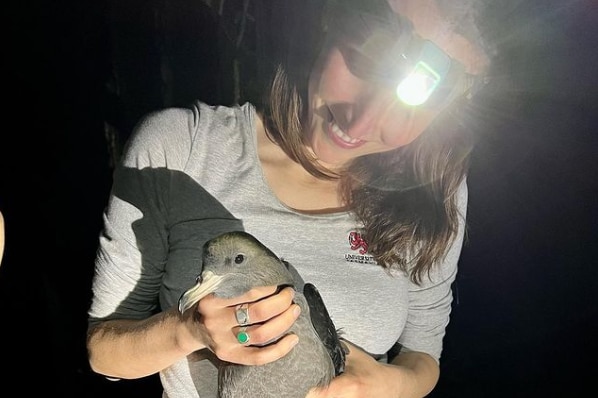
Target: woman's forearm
x,y
421,376
131,349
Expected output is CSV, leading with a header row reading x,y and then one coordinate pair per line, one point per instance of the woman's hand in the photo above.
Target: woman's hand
x,y
364,377
270,316
412,374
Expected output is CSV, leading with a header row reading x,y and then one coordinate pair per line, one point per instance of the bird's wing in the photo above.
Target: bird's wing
x,y
325,327
297,279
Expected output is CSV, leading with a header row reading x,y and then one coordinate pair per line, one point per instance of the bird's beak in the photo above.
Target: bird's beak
x,y
207,283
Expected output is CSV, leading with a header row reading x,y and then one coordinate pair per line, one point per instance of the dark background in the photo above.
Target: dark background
x,y
77,75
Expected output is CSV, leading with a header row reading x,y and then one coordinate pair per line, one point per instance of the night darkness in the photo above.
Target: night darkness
x,y
79,74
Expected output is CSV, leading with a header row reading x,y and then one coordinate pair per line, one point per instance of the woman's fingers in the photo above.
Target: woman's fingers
x,y
251,329
282,299
265,308
255,355
267,332
256,294
270,353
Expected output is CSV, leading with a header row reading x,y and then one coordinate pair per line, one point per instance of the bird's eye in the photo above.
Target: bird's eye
x,y
239,259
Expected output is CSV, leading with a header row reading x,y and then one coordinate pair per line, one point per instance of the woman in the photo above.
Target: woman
x,y
355,181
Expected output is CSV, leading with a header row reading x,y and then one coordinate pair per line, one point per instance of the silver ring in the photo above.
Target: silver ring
x,y
243,336
242,314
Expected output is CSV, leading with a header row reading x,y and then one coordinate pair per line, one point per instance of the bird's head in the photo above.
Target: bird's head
x,y
234,263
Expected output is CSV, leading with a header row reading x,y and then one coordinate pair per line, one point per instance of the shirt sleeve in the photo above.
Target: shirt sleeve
x,y
430,302
133,247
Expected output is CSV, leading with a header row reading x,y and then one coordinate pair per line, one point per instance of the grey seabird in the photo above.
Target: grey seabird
x,y
234,263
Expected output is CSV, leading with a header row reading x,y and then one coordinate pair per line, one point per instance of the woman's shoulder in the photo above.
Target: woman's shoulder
x,y
174,132
197,117
463,193
222,118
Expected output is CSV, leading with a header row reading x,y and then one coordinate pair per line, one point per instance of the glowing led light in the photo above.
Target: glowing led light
x,y
430,70
417,87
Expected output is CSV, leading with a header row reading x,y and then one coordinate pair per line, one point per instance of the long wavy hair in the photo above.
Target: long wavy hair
x,y
406,198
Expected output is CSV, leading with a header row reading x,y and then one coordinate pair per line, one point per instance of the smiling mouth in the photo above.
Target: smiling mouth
x,y
339,137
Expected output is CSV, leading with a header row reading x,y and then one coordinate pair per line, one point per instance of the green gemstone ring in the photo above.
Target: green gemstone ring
x,y
243,336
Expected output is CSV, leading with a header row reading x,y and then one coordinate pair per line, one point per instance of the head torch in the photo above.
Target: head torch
x,y
383,48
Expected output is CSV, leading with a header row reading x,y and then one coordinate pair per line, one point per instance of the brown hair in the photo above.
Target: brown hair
x,y
406,198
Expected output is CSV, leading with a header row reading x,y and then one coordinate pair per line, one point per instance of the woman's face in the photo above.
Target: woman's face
x,y
351,117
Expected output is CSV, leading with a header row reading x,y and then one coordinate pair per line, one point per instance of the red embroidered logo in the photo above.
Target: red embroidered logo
x,y
357,242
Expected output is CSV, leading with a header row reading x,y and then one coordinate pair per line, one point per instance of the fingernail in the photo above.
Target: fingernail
x,y
297,310
295,341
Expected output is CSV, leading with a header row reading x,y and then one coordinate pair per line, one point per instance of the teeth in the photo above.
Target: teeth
x,y
339,133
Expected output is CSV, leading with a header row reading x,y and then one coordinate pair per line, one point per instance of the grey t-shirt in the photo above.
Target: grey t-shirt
x,y
188,175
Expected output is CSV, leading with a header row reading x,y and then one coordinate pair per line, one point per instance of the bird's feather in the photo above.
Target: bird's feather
x,y
325,327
